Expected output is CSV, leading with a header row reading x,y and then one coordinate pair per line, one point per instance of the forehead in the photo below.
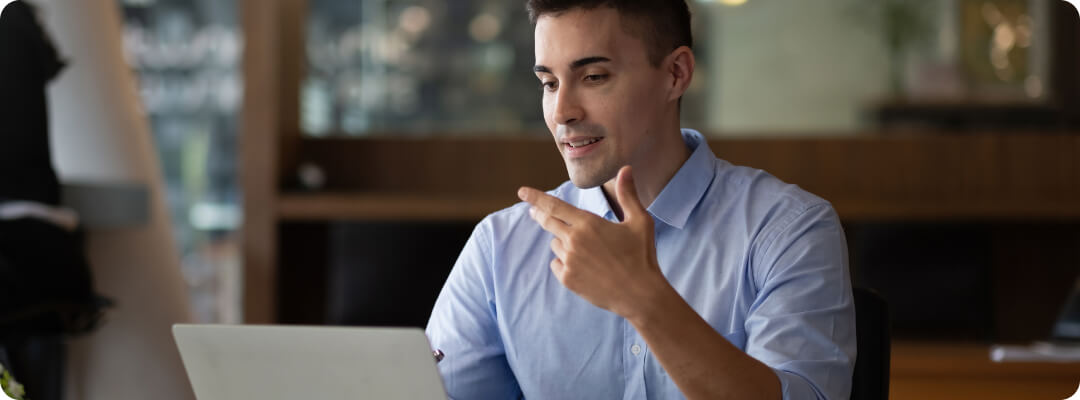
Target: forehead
x,y
571,35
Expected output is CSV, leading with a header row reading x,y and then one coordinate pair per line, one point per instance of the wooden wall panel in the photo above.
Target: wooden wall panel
x,y
458,166
921,177
1019,177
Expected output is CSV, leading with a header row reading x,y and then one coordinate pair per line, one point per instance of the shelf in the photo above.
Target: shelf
x,y
377,206
897,178
861,210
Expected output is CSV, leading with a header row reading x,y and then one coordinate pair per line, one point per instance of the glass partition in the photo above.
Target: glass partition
x,y
427,67
186,54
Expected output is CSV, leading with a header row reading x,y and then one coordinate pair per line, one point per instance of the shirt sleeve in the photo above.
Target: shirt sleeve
x,y
463,326
802,322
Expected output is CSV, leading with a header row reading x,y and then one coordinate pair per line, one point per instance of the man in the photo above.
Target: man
x,y
720,282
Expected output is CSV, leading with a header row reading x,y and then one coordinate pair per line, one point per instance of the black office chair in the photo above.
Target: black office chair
x,y
871,378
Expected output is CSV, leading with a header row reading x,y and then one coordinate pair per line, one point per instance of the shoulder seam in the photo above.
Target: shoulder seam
x,y
784,227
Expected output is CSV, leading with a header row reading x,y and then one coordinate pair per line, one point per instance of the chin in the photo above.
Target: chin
x,y
585,179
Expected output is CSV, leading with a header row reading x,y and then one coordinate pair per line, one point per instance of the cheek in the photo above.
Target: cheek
x,y
548,108
642,104
626,101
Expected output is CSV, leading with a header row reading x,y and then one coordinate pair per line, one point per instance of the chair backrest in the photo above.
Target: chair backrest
x,y
871,378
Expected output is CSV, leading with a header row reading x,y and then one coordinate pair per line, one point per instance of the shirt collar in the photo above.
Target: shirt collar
x,y
675,203
594,201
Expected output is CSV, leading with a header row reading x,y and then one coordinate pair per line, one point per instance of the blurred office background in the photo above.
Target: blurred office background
x,y
325,160
435,69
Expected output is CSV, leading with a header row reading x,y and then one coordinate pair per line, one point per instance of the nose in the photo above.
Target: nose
x,y
568,108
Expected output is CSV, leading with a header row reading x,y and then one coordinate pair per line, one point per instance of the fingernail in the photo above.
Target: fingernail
x,y
521,193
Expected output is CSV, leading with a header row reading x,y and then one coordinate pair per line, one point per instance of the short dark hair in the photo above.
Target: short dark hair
x,y
663,25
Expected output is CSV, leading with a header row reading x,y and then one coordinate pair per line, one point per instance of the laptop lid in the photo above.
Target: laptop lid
x,y
297,362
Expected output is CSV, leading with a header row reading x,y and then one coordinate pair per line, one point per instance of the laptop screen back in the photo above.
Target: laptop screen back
x,y
291,362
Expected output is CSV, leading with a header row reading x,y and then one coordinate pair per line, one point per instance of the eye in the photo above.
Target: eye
x,y
595,77
548,86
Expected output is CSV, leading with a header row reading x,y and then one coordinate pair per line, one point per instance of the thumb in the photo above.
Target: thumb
x,y
626,194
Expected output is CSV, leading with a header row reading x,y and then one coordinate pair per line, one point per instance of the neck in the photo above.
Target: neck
x,y
653,168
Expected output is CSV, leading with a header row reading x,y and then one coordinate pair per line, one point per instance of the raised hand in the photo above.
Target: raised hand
x,y
612,265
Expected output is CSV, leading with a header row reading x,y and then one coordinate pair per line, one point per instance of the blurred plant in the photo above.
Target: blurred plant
x,y
11,388
903,25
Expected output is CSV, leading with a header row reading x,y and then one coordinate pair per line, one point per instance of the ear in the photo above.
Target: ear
x,y
679,66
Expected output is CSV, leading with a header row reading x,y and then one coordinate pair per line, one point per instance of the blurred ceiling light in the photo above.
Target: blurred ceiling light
x,y
414,19
1023,31
484,27
392,48
1004,37
991,14
999,57
731,3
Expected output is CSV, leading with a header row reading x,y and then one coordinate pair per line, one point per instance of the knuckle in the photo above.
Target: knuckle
x,y
569,255
568,273
572,239
549,201
557,245
557,268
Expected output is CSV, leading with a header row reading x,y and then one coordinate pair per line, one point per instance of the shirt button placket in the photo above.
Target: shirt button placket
x,y
639,358
634,369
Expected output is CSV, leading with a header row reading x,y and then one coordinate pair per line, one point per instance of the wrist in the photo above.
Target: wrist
x,y
655,302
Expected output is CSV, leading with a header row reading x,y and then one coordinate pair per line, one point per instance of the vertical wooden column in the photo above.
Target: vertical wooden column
x,y
292,58
269,139
258,157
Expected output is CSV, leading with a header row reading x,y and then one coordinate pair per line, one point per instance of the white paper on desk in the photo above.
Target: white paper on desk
x,y
1036,352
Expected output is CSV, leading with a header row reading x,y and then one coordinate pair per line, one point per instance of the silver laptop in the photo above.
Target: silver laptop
x,y
294,362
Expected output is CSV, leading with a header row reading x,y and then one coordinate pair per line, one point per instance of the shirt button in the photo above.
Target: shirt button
x,y
635,349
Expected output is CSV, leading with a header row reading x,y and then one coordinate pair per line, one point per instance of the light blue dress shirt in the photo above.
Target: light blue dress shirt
x,y
764,262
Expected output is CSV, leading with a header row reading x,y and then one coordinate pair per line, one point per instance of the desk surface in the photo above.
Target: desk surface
x,y
945,370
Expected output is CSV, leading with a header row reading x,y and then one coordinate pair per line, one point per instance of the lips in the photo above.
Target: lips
x,y
580,146
583,142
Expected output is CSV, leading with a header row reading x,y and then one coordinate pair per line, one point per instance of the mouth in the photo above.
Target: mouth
x,y
583,142
579,144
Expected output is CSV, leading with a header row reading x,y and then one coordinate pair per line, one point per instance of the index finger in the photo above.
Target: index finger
x,y
552,205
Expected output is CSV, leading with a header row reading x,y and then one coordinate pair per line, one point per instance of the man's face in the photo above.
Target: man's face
x,y
602,98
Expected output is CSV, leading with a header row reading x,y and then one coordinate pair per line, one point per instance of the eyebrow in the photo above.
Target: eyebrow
x,y
574,65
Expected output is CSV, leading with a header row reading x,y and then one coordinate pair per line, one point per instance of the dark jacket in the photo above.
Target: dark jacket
x,y
28,61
